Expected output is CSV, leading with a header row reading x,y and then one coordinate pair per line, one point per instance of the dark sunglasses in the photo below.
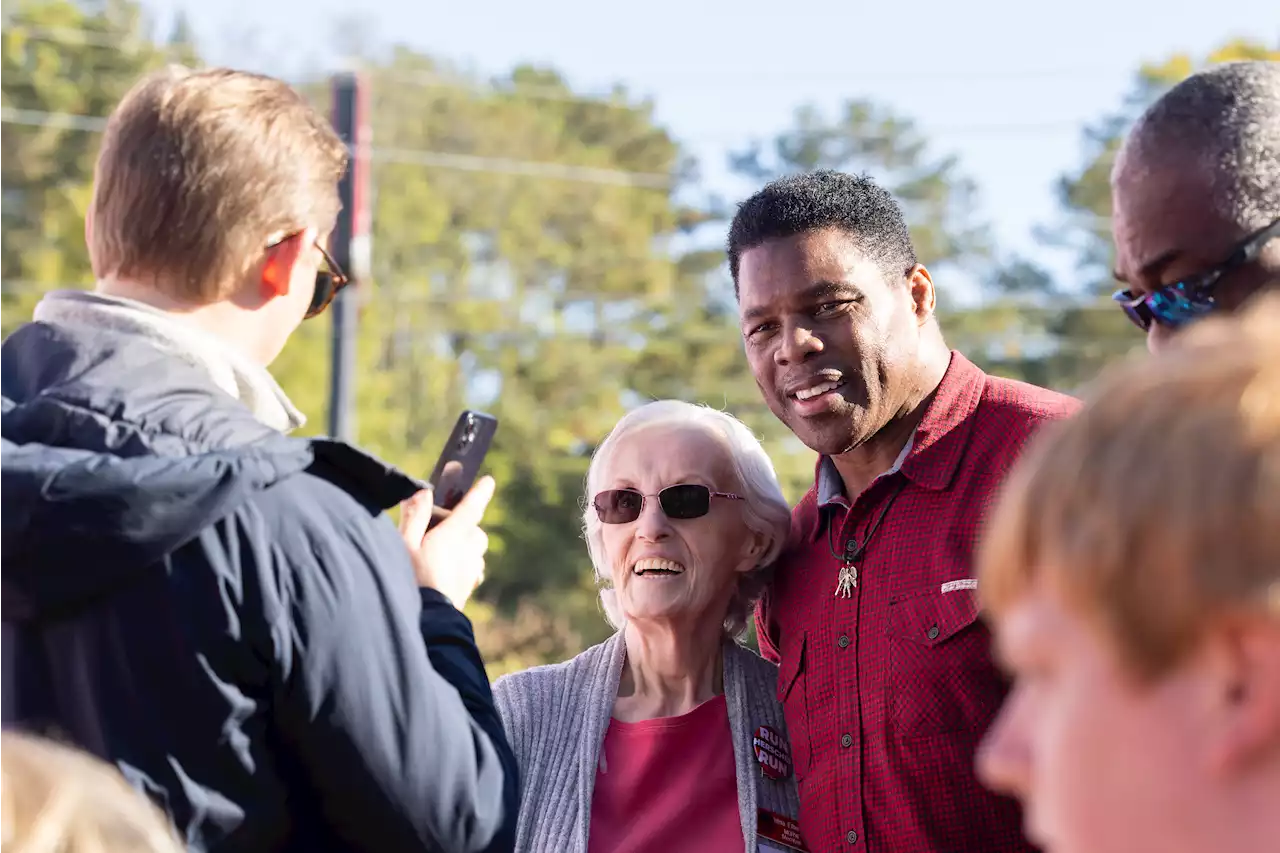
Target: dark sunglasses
x,y
329,279
622,506
1175,305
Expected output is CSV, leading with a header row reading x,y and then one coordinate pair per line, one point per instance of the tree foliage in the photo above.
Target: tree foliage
x,y
47,170
524,263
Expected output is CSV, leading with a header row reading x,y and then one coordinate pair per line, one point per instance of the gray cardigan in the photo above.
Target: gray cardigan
x,y
556,717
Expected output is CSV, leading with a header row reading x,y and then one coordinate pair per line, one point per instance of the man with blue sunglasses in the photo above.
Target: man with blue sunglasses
x,y
1196,199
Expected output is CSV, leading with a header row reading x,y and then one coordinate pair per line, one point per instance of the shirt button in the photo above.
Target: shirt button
x,y
846,740
933,633
843,642
851,837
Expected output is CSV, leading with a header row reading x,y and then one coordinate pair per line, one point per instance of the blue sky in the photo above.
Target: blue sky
x,y
1005,85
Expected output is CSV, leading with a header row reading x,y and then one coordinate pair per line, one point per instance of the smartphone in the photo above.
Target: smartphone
x,y
459,465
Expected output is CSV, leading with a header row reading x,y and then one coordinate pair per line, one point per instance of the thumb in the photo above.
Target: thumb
x,y
471,508
415,516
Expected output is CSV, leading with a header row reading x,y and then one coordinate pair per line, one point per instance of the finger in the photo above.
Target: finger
x,y
415,515
406,507
481,540
471,508
438,514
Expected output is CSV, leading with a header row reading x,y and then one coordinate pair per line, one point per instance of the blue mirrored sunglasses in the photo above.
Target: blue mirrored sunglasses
x,y
1182,302
1173,305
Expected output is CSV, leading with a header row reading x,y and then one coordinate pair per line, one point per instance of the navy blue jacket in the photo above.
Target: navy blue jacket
x,y
226,614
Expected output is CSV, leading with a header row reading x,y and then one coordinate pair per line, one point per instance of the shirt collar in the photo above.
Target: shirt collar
x,y
831,488
933,453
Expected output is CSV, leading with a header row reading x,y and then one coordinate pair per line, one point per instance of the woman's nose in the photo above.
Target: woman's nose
x,y
653,524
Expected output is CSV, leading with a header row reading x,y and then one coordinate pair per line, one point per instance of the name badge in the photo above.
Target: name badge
x,y
778,833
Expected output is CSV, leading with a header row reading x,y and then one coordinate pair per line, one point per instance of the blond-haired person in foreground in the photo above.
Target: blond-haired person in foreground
x,y
59,800
1132,573
222,611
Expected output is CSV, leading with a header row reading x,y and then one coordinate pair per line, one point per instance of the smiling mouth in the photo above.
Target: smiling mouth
x,y
653,567
806,394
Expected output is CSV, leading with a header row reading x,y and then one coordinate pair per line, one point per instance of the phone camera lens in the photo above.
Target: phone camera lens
x,y
468,433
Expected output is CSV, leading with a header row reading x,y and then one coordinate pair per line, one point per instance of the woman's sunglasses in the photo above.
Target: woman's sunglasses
x,y
622,506
1185,301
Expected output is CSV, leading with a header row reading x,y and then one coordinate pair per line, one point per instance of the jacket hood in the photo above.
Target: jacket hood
x,y
114,455
78,523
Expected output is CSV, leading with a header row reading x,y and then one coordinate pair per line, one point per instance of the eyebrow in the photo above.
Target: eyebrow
x,y
686,479
1153,267
812,293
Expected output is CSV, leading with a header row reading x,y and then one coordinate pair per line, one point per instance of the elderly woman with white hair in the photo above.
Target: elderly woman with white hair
x,y
668,736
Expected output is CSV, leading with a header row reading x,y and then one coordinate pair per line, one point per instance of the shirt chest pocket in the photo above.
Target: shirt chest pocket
x,y
792,695
940,678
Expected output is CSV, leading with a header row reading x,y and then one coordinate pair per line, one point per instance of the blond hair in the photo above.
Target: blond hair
x,y
59,800
199,169
1156,509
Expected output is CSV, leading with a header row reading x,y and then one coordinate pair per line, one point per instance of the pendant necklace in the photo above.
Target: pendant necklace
x,y
848,578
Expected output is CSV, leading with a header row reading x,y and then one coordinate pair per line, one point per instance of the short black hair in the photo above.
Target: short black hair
x,y
825,199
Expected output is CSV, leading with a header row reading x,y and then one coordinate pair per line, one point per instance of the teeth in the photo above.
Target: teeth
x,y
654,564
817,390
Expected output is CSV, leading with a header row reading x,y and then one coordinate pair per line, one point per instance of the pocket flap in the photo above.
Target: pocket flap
x,y
932,618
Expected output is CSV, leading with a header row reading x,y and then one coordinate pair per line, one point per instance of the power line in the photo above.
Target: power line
x,y
430,159
456,161
468,162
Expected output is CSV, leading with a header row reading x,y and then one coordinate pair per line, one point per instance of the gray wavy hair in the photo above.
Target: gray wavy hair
x,y
1227,120
764,509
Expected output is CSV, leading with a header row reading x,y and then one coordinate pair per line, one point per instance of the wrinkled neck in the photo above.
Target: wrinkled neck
x,y
859,466
669,671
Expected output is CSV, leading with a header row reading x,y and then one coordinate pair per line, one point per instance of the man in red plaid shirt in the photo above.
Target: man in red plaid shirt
x,y
885,671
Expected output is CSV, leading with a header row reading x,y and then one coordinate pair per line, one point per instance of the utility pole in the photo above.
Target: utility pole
x,y
350,247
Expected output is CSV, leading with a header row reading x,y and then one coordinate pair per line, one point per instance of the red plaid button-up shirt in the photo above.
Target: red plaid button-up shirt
x,y
888,691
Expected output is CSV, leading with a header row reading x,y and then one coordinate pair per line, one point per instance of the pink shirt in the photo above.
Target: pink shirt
x,y
668,785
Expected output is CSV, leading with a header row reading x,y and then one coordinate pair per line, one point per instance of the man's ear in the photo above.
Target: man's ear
x,y
280,260
924,298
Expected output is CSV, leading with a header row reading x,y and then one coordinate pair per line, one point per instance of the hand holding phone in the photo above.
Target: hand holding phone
x,y
459,464
441,524
449,556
